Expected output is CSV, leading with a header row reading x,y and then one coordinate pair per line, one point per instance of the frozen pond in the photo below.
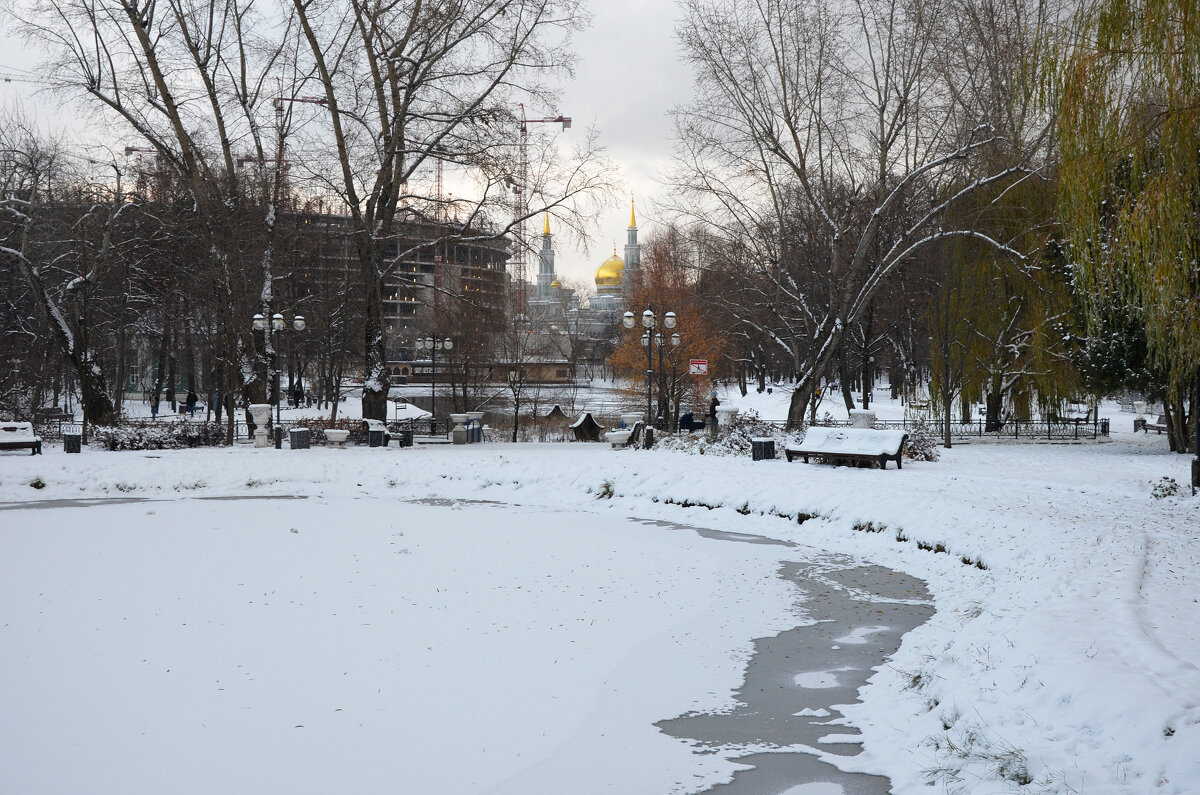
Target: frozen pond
x,y
377,645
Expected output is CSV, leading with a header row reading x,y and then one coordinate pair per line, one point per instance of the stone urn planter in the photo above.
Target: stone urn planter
x,y
261,414
458,434
862,418
337,437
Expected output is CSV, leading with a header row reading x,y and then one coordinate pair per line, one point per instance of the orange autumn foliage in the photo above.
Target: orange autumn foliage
x,y
668,284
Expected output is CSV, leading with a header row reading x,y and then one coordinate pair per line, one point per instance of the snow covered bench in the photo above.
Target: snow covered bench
x,y
850,444
19,435
625,437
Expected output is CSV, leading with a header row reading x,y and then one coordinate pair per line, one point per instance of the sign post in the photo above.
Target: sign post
x,y
698,367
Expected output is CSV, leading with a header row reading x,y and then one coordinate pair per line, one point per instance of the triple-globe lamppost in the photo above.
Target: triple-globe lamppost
x,y
433,346
277,326
650,339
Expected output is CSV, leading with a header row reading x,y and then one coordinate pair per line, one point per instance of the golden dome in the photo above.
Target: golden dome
x,y
610,272
556,284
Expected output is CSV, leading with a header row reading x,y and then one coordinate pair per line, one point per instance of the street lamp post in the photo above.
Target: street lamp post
x,y
433,346
649,338
868,380
277,326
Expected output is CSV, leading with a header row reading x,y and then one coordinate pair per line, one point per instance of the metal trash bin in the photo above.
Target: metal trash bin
x,y
72,443
405,437
761,449
298,438
377,438
648,433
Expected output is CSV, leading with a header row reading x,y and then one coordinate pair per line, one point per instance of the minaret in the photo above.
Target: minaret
x,y
633,255
545,264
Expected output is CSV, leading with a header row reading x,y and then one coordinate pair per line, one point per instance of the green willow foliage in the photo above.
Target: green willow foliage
x,y
1129,133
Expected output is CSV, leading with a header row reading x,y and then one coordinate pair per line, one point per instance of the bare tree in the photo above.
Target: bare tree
x,y
407,83
60,269
827,144
192,82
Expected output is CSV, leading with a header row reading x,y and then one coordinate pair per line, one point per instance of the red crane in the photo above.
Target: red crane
x,y
520,206
281,156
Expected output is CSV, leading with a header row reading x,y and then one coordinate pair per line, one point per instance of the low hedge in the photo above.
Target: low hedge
x,y
160,436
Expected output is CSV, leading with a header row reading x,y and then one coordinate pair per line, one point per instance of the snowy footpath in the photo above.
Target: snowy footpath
x,y
546,618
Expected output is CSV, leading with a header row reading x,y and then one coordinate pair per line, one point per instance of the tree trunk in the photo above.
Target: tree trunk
x,y
161,371
376,379
122,370
1196,420
171,379
844,380
94,398
798,405
866,382
947,401
994,401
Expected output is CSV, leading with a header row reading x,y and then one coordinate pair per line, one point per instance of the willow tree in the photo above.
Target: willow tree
x,y
1128,94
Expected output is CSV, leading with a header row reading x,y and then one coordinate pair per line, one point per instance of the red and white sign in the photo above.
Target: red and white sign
x,y
698,367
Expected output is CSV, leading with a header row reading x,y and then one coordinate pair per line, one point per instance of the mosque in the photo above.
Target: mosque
x,y
594,321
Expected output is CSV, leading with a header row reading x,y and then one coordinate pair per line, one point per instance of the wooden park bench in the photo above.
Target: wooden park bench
x,y
857,445
1158,425
51,414
18,436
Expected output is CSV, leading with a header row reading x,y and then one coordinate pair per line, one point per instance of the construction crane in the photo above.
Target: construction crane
x,y
278,103
521,206
13,77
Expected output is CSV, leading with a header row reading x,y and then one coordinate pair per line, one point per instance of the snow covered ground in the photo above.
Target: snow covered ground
x,y
1067,663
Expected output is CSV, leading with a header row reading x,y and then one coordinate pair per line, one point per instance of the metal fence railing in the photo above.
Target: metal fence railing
x,y
55,429
1033,430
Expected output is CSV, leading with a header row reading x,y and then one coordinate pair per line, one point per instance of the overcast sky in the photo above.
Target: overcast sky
x,y
628,78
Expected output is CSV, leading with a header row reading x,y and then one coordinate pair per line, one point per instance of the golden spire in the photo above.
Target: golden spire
x,y
632,216
546,229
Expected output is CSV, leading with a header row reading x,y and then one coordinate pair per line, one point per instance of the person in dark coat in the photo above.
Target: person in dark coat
x,y
191,402
712,409
154,405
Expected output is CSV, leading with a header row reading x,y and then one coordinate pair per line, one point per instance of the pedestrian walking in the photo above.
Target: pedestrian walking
x,y
712,410
191,402
154,405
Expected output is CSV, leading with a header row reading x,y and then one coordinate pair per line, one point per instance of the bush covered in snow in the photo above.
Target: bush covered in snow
x,y
922,442
733,438
160,436
1167,487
